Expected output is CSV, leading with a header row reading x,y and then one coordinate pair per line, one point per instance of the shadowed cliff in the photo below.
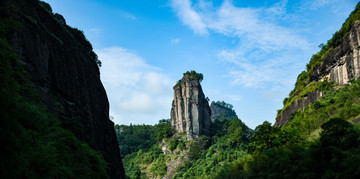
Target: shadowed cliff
x,y
63,70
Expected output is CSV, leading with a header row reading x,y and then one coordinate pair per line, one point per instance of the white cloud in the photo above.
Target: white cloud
x,y
189,16
138,92
262,42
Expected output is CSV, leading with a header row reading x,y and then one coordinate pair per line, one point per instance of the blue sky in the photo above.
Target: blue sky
x,y
250,52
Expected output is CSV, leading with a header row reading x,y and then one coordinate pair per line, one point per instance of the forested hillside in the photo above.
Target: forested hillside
x,y
320,139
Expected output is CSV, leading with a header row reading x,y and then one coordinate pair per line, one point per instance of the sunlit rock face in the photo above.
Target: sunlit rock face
x,y
340,65
190,110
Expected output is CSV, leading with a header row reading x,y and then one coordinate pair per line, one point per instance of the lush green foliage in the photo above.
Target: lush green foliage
x,y
209,155
158,168
343,103
34,143
163,129
134,137
194,75
137,161
335,155
325,87
138,145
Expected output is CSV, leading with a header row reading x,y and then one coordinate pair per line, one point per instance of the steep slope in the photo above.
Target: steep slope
x,y
330,69
64,70
190,110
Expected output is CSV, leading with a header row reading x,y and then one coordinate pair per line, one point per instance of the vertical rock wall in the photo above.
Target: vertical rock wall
x,y
64,71
190,110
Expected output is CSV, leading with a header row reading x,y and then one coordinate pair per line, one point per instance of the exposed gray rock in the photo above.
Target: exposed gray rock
x,y
190,110
340,65
300,104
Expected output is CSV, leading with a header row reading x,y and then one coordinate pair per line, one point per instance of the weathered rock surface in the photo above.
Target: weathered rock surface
x,y
190,110
64,70
309,98
340,65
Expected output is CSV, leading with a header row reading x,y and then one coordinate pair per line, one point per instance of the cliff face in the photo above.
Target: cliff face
x,y
64,71
285,116
339,65
342,63
190,110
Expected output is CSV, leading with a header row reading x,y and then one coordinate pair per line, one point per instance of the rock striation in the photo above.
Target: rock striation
x,y
340,65
64,70
190,110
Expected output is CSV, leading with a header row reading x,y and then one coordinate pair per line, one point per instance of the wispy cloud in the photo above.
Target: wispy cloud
x,y
136,89
316,4
261,40
175,41
128,16
189,16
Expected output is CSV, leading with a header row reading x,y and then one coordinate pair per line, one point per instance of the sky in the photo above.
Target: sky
x,y
250,52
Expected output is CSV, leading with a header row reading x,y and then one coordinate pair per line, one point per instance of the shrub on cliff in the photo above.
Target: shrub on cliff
x,y
194,75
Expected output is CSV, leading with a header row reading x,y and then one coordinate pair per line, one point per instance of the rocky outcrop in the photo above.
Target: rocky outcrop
x,y
340,65
296,105
64,70
190,110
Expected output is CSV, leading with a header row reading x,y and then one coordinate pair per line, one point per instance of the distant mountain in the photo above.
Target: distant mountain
x,y
221,110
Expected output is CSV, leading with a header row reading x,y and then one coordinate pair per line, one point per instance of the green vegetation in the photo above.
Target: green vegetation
x,y
34,143
325,87
206,155
194,75
226,110
335,155
344,103
134,137
317,143
163,129
303,83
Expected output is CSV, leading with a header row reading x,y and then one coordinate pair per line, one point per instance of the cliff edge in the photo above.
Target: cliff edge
x,y
64,69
